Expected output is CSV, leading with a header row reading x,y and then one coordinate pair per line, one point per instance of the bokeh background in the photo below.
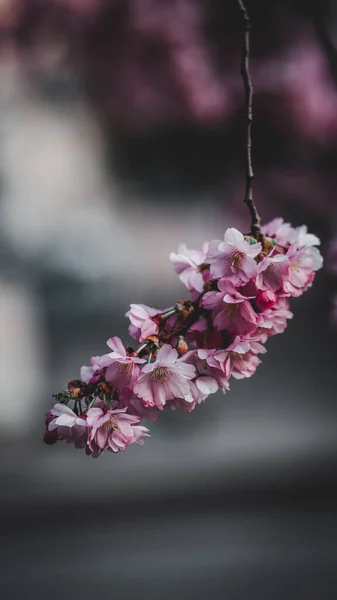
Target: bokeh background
x,y
121,135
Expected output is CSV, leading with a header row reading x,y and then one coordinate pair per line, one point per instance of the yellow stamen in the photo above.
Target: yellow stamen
x,y
112,424
124,368
231,308
270,269
294,266
160,375
236,259
237,355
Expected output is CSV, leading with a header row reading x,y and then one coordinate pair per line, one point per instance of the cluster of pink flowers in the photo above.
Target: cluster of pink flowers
x,y
239,290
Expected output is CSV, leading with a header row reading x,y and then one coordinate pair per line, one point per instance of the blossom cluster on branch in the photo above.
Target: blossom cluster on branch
x,y
239,289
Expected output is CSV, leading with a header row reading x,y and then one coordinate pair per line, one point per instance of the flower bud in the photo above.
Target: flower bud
x,y
181,346
265,299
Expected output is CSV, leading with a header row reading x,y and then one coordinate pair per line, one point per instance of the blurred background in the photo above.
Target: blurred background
x,y
121,135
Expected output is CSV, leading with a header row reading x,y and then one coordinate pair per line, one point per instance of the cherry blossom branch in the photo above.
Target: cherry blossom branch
x,y
189,351
239,290
248,87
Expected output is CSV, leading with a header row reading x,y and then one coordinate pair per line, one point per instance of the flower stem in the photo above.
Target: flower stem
x,y
142,347
248,87
150,355
91,402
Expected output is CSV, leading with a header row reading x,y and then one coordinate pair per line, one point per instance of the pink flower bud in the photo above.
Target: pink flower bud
x,y
265,299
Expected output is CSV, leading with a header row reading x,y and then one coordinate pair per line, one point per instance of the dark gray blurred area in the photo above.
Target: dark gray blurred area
x,y
236,500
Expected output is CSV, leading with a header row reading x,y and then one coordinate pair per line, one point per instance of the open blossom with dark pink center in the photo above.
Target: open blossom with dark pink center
x,y
208,379
238,360
234,258
113,430
143,322
271,272
166,378
190,266
231,310
122,369
274,320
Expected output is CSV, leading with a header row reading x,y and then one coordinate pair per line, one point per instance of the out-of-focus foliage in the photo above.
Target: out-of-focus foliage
x,y
169,69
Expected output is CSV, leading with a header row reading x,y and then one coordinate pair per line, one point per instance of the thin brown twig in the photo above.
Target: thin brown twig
x,y
248,87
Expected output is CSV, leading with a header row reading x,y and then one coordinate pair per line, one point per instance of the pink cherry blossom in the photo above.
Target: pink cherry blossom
x,y
234,257
231,310
186,265
245,365
208,379
122,369
69,426
301,236
315,256
238,360
303,261
271,272
273,321
205,385
279,230
166,378
65,417
113,430
265,299
142,320
285,234
88,372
